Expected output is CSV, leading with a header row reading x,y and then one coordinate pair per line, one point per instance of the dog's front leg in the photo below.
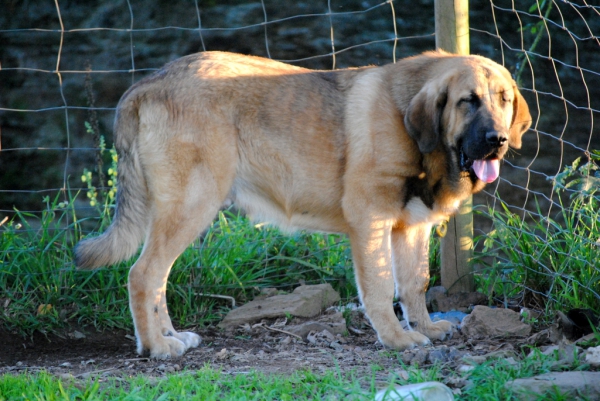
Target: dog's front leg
x,y
410,256
372,255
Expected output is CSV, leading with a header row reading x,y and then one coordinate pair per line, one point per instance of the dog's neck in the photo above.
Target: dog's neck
x,y
435,188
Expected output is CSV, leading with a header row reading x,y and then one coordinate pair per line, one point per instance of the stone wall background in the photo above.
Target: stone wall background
x,y
298,32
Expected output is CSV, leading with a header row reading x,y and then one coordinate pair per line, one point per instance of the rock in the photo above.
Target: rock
x,y
571,384
566,355
465,368
335,324
305,301
432,294
437,355
405,325
487,322
322,337
223,354
443,354
402,374
565,329
430,391
586,339
267,292
502,354
457,382
461,301
415,357
77,335
592,356
474,360
551,335
336,345
505,355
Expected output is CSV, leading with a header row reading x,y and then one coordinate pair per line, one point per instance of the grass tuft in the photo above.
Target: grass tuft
x,y
548,262
41,289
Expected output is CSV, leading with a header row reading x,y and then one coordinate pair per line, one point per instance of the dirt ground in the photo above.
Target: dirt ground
x,y
257,348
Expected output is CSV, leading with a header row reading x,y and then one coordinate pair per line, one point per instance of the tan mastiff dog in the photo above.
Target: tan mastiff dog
x,y
378,153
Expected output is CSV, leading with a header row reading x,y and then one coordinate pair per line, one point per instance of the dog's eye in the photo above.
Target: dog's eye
x,y
471,100
505,97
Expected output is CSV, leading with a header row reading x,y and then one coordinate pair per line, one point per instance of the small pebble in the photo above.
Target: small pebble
x,y
465,368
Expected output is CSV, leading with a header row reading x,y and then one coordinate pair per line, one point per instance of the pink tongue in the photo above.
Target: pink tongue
x,y
486,170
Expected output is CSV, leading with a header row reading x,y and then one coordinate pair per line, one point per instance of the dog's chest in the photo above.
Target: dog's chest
x,y
425,203
416,211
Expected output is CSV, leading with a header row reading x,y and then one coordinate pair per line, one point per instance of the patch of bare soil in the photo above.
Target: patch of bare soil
x,y
257,348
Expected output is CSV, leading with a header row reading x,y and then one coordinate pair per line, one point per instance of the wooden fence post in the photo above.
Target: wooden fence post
x,y
452,35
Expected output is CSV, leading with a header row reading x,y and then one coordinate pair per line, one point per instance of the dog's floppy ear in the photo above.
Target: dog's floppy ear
x,y
423,118
521,120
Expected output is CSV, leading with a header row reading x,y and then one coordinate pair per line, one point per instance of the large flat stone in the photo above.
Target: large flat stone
x,y
305,301
489,322
592,356
575,384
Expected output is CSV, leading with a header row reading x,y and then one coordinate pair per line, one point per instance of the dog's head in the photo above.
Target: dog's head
x,y
473,108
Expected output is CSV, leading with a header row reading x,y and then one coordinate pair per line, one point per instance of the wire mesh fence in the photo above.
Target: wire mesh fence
x,y
65,65
551,47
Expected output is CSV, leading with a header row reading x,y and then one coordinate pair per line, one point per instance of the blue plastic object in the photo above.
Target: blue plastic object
x,y
452,316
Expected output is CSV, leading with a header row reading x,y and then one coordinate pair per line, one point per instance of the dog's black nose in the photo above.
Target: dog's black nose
x,y
496,138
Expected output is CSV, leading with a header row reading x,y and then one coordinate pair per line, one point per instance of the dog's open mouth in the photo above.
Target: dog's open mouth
x,y
487,170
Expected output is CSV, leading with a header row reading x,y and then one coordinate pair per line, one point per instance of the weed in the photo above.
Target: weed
x,y
103,201
548,262
232,258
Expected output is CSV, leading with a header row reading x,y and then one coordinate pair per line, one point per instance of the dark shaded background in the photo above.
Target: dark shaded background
x,y
560,80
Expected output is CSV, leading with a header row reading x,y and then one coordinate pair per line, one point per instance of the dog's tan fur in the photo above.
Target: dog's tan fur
x,y
369,152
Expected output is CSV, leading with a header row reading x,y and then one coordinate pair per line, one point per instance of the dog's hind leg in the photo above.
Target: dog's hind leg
x,y
174,225
186,184
410,254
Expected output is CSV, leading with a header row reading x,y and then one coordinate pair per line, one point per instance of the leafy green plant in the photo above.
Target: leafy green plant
x,y
103,198
548,262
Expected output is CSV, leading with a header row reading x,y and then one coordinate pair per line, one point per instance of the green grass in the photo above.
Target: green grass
x,y
204,384
485,382
548,262
233,258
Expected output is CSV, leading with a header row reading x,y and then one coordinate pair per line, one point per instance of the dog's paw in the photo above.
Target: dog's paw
x,y
167,347
440,330
191,340
404,340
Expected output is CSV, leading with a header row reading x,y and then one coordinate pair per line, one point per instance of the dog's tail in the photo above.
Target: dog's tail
x,y
123,237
